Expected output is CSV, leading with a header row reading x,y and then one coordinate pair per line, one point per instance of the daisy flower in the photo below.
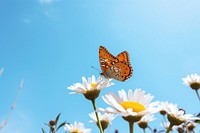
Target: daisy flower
x,y
134,104
174,113
183,128
105,119
143,123
193,81
91,87
163,106
177,116
77,127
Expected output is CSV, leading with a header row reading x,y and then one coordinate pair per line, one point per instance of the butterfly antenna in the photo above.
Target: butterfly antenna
x,y
96,69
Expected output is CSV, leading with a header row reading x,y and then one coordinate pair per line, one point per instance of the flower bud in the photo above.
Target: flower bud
x,y
52,123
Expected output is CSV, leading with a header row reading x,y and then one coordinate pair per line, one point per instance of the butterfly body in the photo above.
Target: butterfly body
x,y
118,67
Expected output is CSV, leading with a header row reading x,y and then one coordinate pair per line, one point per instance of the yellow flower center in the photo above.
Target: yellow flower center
x,y
75,131
93,85
137,107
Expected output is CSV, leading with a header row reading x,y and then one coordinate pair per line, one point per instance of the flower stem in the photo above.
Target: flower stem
x,y
99,123
197,94
144,130
131,126
150,129
169,128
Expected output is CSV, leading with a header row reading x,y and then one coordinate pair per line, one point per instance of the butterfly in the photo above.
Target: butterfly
x,y
118,68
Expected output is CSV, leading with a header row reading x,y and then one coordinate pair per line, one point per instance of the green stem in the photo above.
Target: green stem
x,y
131,126
144,130
99,123
197,94
169,128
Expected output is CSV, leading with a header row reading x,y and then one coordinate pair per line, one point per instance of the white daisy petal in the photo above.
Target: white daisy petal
x,y
147,99
147,118
173,110
191,79
84,81
111,100
93,79
89,80
76,127
134,103
137,94
130,95
102,117
90,84
122,95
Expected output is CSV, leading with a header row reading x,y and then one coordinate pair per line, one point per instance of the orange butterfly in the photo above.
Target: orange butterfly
x,y
118,67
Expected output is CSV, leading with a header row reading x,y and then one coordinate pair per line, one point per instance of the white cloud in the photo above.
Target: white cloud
x,y
47,1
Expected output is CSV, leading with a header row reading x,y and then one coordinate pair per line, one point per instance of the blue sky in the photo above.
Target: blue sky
x,y
51,44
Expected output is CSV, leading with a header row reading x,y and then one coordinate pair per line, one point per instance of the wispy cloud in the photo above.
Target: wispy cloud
x,y
48,8
1,71
47,1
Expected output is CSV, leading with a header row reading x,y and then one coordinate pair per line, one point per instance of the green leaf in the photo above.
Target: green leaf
x,y
57,118
52,129
61,125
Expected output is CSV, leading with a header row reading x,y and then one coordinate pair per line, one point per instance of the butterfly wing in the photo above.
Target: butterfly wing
x,y
118,68
120,71
124,57
106,59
